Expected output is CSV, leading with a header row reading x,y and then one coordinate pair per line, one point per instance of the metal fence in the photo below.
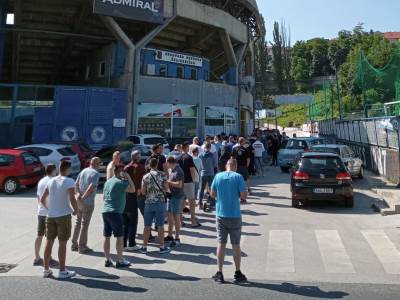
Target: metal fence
x,y
375,140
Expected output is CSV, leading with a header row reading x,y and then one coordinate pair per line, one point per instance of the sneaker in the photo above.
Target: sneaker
x,y
66,274
132,248
47,273
169,239
85,250
177,242
122,264
74,248
164,250
38,262
152,239
172,244
143,250
239,277
219,277
186,210
109,264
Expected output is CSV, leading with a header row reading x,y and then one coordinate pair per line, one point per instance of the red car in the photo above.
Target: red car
x,y
18,168
83,150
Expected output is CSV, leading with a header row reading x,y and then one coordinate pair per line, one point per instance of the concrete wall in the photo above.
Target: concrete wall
x,y
213,17
105,54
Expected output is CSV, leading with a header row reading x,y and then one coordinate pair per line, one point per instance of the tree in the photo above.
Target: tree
x,y
277,64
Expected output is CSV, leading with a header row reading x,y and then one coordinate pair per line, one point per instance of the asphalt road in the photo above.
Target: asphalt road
x,y
322,251
185,288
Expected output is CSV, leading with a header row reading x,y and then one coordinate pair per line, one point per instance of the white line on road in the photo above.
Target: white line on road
x,y
384,249
280,256
333,252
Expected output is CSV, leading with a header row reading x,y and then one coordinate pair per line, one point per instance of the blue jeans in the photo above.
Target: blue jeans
x,y
154,211
174,205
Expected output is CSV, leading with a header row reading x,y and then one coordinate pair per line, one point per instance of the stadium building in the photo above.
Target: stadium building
x,y
101,69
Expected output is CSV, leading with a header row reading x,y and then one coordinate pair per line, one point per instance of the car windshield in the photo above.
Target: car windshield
x,y
327,149
67,151
154,140
322,163
296,145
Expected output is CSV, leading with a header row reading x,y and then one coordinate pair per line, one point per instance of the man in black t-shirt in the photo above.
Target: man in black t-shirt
x,y
242,156
189,170
157,151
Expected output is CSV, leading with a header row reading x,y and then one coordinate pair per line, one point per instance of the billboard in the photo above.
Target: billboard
x,y
141,10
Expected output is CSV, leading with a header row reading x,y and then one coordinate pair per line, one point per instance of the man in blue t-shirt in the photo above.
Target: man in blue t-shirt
x,y
228,188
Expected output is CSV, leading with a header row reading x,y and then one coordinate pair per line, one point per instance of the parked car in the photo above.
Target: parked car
x,y
287,156
54,154
320,176
149,140
19,168
83,150
353,163
106,153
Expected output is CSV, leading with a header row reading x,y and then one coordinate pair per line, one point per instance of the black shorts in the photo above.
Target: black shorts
x,y
113,224
244,171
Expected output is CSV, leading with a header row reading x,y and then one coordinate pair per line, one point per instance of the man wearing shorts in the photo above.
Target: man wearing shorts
x,y
174,204
189,170
114,193
242,156
58,198
51,172
154,186
228,188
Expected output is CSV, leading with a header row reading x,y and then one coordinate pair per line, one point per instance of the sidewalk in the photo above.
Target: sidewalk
x,y
388,194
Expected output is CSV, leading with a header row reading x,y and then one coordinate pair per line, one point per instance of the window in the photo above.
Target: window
x,y
318,163
10,19
39,151
67,151
296,145
180,72
206,75
29,159
6,160
102,69
87,72
134,139
193,74
163,71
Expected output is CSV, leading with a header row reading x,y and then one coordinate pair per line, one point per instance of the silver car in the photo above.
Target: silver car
x,y
353,163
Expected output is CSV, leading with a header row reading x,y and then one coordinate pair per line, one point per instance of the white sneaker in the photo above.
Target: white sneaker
x,y
134,248
47,273
66,274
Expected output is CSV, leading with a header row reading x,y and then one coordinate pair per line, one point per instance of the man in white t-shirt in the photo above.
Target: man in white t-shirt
x,y
258,155
58,198
195,145
51,171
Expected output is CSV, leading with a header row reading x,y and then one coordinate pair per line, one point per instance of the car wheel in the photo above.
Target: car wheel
x,y
361,174
285,169
11,185
295,203
349,202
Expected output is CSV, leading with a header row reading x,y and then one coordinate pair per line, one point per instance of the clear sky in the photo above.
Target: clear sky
x,y
325,18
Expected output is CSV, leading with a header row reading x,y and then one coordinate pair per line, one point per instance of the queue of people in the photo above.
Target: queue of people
x,y
162,189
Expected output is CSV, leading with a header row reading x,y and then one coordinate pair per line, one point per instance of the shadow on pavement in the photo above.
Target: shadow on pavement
x,y
86,272
253,213
107,285
362,206
162,275
197,234
306,291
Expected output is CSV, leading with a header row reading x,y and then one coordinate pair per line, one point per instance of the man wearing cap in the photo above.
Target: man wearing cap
x,y
136,171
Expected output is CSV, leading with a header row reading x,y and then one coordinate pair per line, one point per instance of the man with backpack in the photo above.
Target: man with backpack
x,y
210,163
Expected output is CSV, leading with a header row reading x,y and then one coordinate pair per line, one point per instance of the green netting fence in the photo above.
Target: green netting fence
x,y
380,85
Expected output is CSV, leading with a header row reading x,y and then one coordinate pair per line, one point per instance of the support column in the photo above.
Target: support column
x,y
16,41
117,31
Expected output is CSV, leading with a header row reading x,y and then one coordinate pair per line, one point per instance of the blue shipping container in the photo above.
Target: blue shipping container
x,y
94,115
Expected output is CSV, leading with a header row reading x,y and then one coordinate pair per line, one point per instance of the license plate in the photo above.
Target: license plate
x,y
323,191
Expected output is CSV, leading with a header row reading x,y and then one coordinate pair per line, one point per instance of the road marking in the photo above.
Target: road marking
x,y
384,250
333,253
280,256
